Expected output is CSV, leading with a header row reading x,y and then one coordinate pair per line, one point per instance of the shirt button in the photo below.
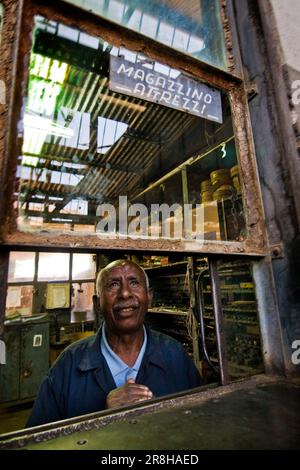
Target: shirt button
x,y
130,374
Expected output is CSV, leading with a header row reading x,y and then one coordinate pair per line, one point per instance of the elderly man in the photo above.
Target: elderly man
x,y
124,363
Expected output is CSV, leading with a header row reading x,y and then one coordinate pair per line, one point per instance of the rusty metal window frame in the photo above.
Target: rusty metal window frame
x,y
254,244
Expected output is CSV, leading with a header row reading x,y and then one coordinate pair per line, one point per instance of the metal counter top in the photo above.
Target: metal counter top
x,y
259,413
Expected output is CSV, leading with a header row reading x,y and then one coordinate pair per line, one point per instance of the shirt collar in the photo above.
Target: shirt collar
x,y
92,357
116,364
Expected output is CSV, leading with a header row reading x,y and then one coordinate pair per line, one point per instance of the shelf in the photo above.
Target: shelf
x,y
21,320
235,365
239,291
164,266
231,309
234,291
167,311
169,276
241,273
245,322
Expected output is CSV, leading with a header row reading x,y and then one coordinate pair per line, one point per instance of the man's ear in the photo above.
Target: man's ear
x,y
96,303
150,296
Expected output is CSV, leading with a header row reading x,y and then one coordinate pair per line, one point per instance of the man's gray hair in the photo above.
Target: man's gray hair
x,y
102,271
146,277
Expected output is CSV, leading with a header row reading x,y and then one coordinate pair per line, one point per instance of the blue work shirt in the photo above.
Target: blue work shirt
x,y
80,380
120,371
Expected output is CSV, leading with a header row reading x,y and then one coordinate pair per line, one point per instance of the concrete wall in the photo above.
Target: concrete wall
x,y
267,62
287,16
287,20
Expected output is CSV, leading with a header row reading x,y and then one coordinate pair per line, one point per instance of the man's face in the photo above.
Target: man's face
x,y
124,298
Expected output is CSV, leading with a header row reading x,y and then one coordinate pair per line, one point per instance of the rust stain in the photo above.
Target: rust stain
x,y
95,242
249,178
227,37
8,36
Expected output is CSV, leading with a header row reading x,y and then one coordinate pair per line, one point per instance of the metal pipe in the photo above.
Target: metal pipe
x,y
219,321
201,321
194,325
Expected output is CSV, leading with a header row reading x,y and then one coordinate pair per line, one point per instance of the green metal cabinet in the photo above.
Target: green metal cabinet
x,y
27,359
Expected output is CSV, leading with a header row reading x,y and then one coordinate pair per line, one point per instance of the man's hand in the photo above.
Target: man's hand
x,y
127,394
